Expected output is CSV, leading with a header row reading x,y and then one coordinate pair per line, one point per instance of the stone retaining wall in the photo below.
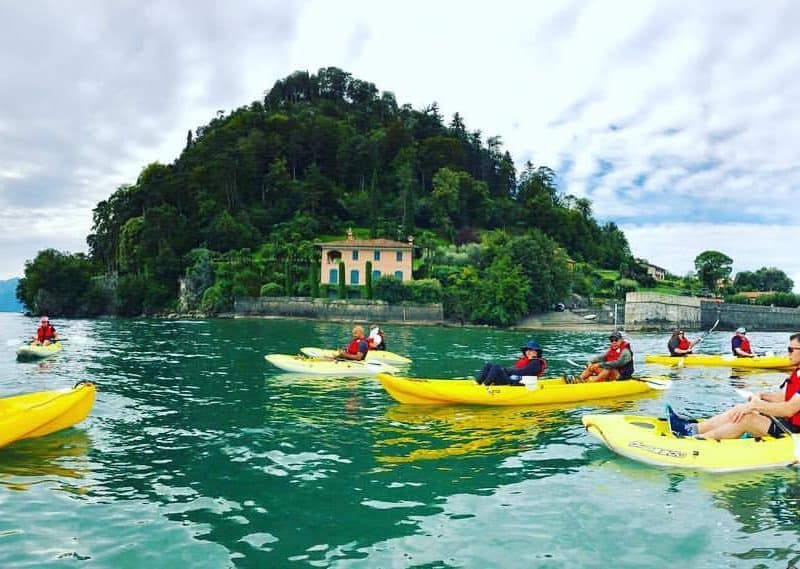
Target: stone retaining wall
x,y
339,310
654,311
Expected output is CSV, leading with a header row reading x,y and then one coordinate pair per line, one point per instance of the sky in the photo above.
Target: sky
x,y
678,120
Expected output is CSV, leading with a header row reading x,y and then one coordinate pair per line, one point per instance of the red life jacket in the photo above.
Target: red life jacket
x,y
613,355
745,345
792,387
684,343
46,332
524,361
352,347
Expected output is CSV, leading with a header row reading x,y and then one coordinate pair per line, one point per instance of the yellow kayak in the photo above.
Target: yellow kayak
x,y
384,356
299,364
649,440
546,391
759,362
43,412
35,351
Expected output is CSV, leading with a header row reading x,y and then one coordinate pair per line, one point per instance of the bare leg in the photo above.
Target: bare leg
x,y
591,369
720,428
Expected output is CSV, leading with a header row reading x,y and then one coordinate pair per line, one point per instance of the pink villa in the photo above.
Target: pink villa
x,y
388,257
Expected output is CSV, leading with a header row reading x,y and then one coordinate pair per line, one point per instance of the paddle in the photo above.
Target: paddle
x,y
706,333
745,394
658,384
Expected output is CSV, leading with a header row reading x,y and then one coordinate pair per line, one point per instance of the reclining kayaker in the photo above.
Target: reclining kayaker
x,y
357,348
768,413
740,345
615,363
45,334
530,364
679,344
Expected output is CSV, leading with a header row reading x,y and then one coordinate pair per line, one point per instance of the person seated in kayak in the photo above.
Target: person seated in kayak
x,y
46,334
530,364
768,413
679,344
376,339
357,348
616,363
740,345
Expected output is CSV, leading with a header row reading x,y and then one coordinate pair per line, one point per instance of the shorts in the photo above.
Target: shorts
x,y
776,430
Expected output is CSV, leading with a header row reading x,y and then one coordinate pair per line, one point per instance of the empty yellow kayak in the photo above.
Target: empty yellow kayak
x,y
546,391
43,412
299,364
649,440
384,356
759,362
35,351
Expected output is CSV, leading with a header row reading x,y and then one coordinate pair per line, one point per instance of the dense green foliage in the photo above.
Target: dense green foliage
x,y
764,279
240,209
713,267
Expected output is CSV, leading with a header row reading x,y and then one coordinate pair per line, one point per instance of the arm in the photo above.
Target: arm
x,y
596,359
775,408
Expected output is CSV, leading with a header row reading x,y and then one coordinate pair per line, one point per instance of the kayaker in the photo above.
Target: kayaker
x,y
775,413
45,334
679,344
616,363
530,364
357,348
740,345
376,339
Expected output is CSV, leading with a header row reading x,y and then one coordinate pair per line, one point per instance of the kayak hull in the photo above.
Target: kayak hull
x,y
467,392
43,412
649,440
34,352
372,355
758,362
340,368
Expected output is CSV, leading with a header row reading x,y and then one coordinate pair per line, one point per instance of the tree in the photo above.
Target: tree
x,y
342,286
368,280
712,267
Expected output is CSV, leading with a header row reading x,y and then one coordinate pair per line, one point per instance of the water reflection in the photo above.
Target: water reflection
x,y
60,455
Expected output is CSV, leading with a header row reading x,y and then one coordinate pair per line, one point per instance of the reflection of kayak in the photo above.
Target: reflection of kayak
x,y
372,355
466,391
649,440
298,364
760,362
43,412
33,351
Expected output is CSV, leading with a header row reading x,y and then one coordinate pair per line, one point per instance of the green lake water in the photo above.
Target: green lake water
x,y
198,453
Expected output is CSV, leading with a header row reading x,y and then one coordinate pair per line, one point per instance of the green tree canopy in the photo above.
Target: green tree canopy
x,y
711,267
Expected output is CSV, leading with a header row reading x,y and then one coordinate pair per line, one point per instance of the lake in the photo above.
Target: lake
x,y
198,453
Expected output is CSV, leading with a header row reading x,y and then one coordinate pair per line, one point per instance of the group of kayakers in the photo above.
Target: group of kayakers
x,y
360,344
680,345
615,363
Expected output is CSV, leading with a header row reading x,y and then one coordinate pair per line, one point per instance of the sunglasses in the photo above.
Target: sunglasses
x,y
791,349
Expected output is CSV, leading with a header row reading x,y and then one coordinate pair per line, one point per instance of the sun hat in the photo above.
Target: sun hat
x,y
531,345
741,330
44,319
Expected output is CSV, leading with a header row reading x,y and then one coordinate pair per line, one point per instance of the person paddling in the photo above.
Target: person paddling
x,y
45,334
530,364
616,363
679,344
768,413
740,345
357,348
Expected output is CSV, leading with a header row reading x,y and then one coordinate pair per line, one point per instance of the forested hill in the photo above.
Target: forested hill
x,y
323,152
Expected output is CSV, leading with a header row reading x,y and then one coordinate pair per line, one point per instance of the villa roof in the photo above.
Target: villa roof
x,y
367,244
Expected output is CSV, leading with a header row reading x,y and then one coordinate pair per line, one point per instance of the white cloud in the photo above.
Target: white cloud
x,y
666,113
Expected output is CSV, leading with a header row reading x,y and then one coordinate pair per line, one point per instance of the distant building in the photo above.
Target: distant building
x,y
658,273
388,257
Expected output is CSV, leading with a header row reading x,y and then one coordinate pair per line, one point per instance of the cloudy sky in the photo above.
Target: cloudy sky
x,y
679,120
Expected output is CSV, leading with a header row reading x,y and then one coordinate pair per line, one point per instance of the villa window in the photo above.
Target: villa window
x,y
399,256
354,277
355,255
398,275
333,276
376,256
376,275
